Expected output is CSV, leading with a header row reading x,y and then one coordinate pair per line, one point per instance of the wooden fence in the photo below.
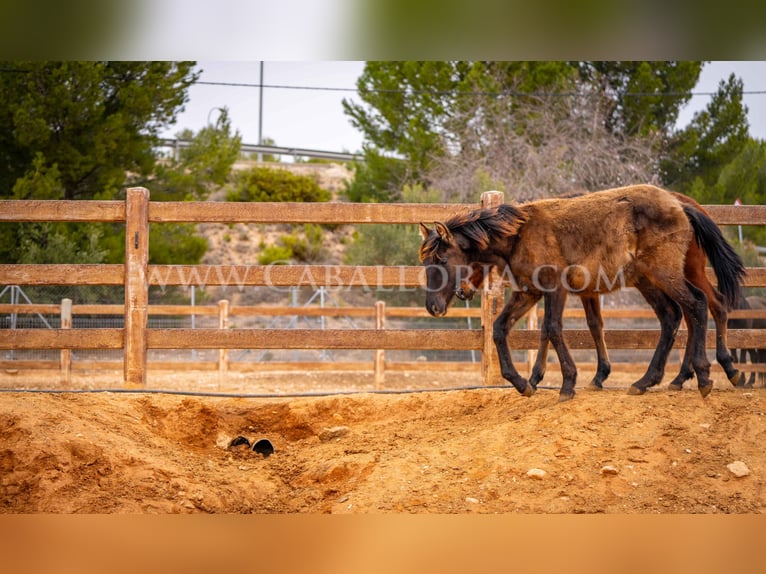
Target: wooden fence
x,y
223,312
136,275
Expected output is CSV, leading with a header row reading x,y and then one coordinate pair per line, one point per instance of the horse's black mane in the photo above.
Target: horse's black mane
x,y
480,227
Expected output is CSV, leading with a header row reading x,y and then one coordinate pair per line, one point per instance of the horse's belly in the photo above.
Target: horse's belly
x,y
596,278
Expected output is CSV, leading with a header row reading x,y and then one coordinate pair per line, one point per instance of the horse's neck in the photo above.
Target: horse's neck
x,y
498,253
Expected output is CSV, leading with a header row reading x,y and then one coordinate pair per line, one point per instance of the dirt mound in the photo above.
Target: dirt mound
x,y
444,451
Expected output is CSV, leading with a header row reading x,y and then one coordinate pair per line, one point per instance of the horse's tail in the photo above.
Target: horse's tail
x,y
727,264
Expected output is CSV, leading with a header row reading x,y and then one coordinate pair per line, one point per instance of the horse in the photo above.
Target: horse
x,y
756,355
551,247
729,270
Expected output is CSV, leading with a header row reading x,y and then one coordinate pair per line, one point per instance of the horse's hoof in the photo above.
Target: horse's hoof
x,y
737,379
529,390
634,390
564,397
595,386
675,387
705,391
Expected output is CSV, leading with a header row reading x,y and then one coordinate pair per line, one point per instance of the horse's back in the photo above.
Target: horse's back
x,y
609,231
612,215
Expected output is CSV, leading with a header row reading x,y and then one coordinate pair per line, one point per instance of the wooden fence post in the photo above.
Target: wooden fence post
x,y
66,354
380,354
492,301
223,323
136,284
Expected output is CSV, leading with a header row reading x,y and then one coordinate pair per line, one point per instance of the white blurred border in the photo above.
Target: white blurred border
x,y
239,30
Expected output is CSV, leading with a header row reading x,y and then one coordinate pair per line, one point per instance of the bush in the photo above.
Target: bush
x,y
275,255
264,184
308,249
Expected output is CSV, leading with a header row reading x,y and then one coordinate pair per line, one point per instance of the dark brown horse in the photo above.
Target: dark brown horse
x,y
729,270
757,356
632,236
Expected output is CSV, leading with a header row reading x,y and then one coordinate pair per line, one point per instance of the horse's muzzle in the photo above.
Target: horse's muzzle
x,y
463,295
435,310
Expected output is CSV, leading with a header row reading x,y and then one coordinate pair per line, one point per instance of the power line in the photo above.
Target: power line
x,y
460,92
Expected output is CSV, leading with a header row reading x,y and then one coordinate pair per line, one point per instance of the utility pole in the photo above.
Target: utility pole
x,y
260,113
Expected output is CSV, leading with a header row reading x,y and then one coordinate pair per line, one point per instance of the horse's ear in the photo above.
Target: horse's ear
x,y
443,232
424,231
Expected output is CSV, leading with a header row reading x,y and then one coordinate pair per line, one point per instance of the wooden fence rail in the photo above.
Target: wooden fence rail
x,y
223,311
136,275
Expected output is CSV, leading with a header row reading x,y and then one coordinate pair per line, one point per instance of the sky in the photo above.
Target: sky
x,y
308,119
314,119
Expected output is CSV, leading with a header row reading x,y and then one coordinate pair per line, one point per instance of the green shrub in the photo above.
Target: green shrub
x,y
309,249
264,184
275,254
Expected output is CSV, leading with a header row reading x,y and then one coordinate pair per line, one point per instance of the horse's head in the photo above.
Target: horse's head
x,y
458,253
444,258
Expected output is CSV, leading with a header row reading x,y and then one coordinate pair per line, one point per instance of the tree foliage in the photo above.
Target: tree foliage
x,y
377,179
201,166
92,120
743,179
408,106
535,129
80,130
715,136
424,112
644,97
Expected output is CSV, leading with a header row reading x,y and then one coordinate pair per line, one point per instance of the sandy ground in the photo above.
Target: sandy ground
x,y
464,451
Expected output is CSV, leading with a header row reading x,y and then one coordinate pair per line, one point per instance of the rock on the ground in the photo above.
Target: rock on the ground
x,y
536,473
738,468
333,433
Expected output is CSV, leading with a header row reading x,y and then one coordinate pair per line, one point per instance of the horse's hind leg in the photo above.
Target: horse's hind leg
x,y
553,327
592,306
722,353
721,318
724,358
718,310
669,314
687,370
687,365
694,305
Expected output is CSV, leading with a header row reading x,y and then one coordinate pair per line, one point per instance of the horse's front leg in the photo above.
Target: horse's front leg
x,y
541,361
518,304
